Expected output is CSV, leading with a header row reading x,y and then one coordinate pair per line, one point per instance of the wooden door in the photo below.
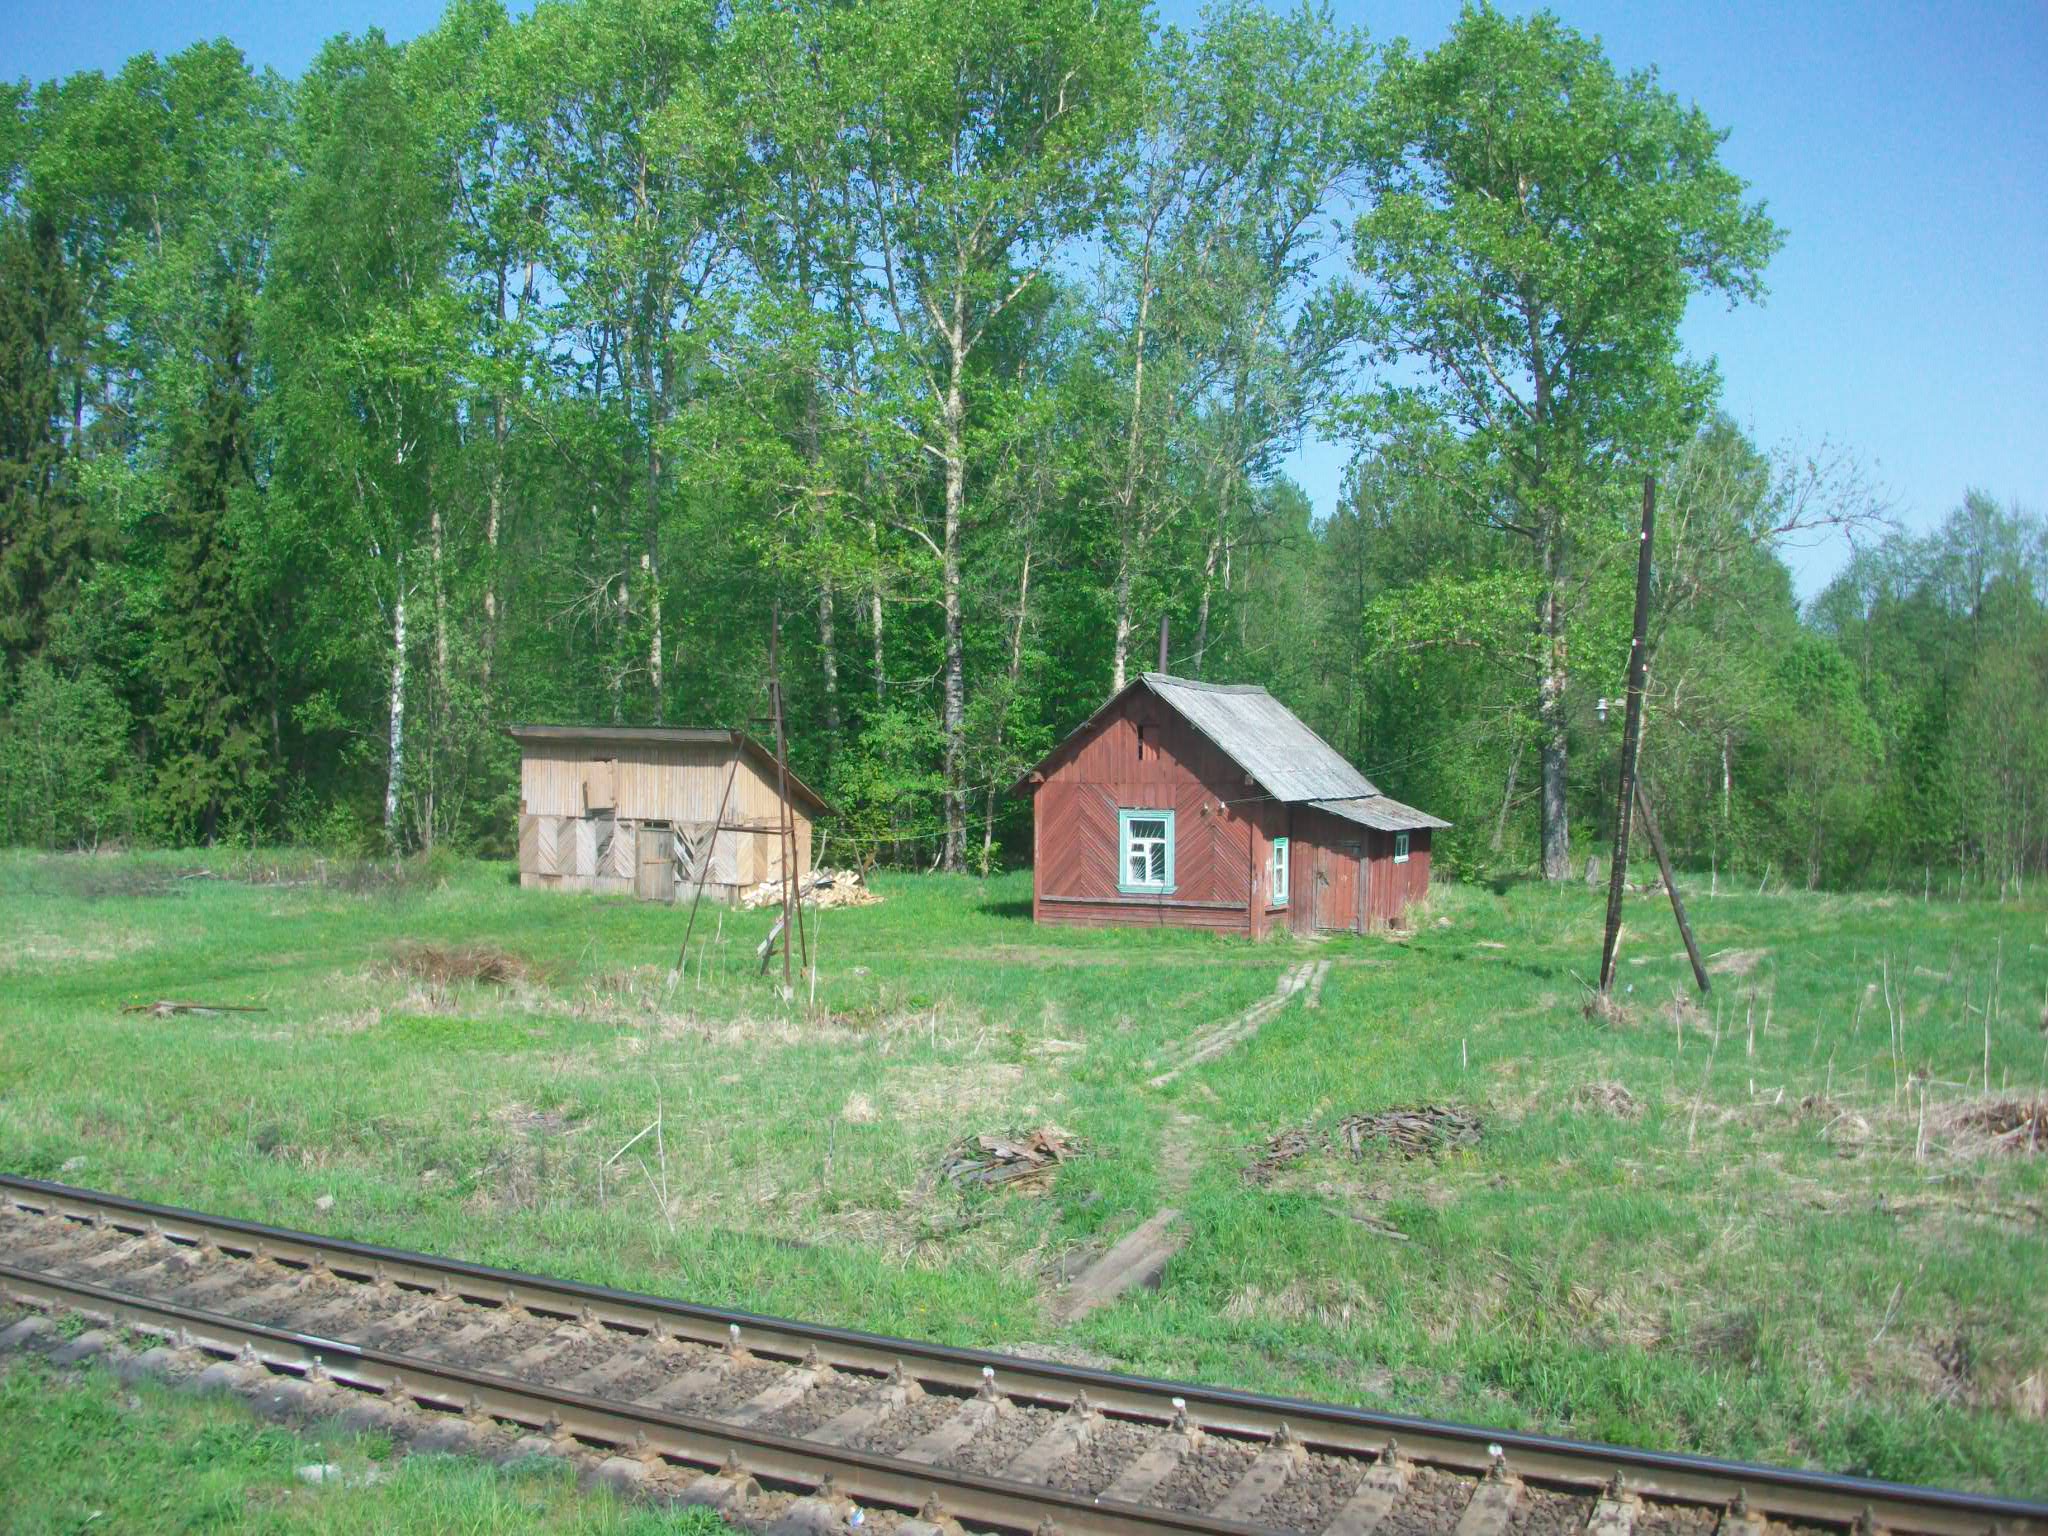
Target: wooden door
x,y
1337,893
600,785
655,875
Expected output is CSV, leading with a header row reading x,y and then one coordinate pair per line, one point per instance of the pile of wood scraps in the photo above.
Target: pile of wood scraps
x,y
1025,1162
164,1008
820,888
1421,1130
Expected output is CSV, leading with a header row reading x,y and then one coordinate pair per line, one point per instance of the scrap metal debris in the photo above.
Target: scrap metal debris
x,y
1025,1162
820,888
164,1007
1422,1130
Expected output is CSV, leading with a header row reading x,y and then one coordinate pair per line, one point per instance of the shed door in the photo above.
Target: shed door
x,y
1337,866
600,785
655,877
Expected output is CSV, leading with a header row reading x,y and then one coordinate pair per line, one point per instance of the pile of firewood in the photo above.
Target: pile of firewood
x,y
819,888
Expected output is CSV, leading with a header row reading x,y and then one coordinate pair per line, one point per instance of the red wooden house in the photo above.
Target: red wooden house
x,y
1213,806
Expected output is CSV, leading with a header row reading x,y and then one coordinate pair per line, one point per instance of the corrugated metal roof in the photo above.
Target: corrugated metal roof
x,y
1265,738
1380,813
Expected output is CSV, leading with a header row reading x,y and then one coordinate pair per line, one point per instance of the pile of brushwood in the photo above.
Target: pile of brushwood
x,y
1025,1162
1419,1130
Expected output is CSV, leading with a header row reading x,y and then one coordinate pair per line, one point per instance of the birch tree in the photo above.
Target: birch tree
x,y
1539,223
986,134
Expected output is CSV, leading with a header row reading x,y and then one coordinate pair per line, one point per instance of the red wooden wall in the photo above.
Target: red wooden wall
x,y
1345,877
1218,824
1341,875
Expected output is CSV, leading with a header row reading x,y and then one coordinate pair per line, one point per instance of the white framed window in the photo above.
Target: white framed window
x,y
1279,872
1145,852
1400,847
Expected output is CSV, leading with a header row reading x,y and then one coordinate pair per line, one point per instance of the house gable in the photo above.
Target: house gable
x,y
1138,754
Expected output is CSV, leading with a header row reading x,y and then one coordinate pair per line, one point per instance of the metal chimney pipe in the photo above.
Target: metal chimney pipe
x,y
1162,642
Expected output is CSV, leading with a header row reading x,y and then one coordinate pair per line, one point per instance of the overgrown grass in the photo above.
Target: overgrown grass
x,y
1794,1251
89,1454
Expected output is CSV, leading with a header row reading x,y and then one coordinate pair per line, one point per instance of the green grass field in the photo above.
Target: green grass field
x,y
89,1454
1778,1226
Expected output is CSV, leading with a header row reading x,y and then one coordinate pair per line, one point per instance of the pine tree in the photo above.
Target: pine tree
x,y
213,760
42,516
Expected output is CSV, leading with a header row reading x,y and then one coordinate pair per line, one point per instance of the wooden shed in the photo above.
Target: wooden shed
x,y
1214,806
612,808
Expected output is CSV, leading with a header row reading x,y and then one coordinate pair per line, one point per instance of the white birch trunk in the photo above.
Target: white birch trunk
x,y
394,767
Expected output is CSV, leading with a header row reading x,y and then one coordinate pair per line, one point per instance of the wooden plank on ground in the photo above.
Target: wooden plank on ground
x,y
1137,1258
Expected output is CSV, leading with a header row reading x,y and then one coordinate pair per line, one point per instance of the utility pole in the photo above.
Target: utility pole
x,y
1631,738
1692,948
1634,794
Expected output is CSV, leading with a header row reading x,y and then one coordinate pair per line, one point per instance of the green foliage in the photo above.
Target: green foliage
x,y
535,368
67,773
886,785
214,759
42,528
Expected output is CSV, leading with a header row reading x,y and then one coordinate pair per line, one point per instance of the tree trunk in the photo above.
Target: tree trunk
x,y
440,594
956,666
828,657
650,554
1120,652
1500,826
988,821
1550,713
1727,785
1202,608
1219,548
394,763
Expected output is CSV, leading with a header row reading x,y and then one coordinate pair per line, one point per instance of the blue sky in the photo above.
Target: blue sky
x,y
1901,146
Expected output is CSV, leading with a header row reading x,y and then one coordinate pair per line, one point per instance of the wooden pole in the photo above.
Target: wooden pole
x,y
1631,738
1692,949
781,781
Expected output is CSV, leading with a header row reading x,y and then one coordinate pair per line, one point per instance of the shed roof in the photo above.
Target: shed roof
x,y
1272,745
1263,737
667,735
1380,813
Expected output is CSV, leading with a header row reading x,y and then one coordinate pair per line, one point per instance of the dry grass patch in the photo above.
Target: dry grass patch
x,y
1607,1097
57,951
1994,1127
443,965
1732,962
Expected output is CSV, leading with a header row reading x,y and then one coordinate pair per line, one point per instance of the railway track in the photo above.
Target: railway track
x,y
817,1429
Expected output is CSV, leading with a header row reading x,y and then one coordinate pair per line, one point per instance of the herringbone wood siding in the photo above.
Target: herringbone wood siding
x,y
1342,875
1213,812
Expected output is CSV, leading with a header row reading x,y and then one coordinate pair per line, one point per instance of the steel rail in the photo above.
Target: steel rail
x,y
1772,1492
632,1429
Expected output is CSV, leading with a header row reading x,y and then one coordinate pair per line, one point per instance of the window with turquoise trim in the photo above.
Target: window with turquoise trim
x,y
1145,852
1279,872
1400,847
